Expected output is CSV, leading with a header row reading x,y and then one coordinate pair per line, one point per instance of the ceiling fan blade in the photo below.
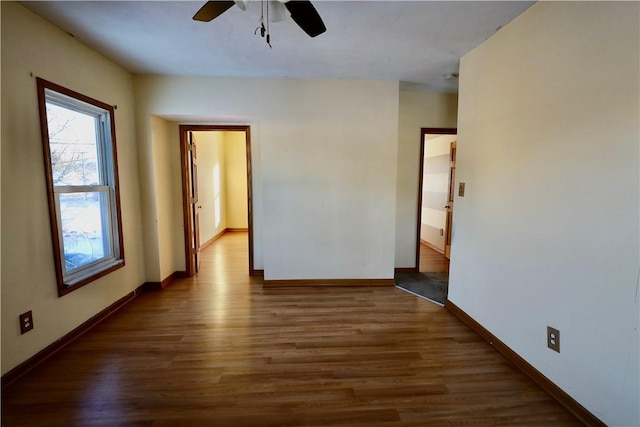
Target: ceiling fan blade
x,y
306,16
211,10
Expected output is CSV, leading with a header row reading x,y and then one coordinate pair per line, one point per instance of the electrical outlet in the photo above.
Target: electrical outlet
x,y
26,322
553,339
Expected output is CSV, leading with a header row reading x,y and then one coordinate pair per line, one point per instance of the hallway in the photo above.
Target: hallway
x,y
432,261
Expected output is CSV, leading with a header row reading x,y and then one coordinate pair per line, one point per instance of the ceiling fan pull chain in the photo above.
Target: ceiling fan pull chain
x,y
263,30
268,33
261,26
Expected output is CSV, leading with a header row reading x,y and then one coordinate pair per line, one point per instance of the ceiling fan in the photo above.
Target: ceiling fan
x,y
302,12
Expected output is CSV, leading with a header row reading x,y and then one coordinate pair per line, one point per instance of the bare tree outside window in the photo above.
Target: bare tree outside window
x,y
72,142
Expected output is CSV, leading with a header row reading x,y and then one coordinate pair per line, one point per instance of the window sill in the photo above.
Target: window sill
x,y
71,285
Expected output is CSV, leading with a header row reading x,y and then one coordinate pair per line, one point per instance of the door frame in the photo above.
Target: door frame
x,y
423,132
186,182
448,228
194,214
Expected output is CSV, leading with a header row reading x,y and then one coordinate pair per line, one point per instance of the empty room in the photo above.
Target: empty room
x,y
206,207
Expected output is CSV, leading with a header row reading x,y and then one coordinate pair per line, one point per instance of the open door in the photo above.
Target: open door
x,y
449,206
193,202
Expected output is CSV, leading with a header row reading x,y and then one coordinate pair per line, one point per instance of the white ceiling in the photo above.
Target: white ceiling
x,y
415,42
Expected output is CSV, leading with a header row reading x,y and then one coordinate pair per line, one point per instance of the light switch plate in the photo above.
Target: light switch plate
x,y
461,189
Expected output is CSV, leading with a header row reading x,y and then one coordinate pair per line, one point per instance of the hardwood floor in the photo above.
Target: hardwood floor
x,y
219,350
432,261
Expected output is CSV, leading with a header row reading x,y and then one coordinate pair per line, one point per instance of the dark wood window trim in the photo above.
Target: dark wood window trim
x,y
118,261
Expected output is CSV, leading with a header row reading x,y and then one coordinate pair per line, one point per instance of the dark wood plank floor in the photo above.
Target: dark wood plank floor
x,y
219,350
432,261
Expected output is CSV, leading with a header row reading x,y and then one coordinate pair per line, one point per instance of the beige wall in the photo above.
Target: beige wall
x,y
211,166
306,186
31,45
417,110
236,179
548,231
166,151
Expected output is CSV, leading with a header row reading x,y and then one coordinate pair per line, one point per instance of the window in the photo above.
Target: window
x,y
78,137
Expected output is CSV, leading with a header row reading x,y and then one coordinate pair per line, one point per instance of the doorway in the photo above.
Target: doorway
x,y
430,277
193,203
438,148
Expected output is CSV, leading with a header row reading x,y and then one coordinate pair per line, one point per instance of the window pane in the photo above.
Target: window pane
x,y
85,221
73,146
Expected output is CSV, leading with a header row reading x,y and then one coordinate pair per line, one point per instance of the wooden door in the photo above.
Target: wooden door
x,y
193,202
449,206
